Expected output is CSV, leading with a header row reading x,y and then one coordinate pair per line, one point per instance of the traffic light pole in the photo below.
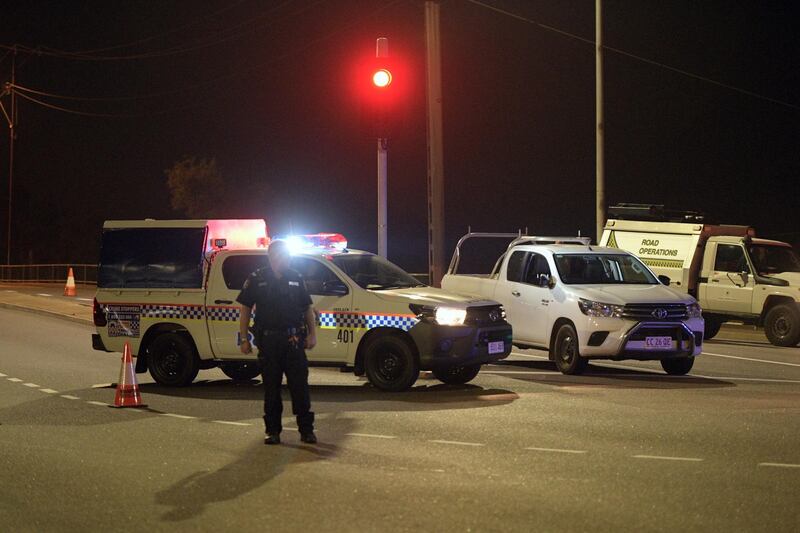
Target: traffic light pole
x,y
600,208
383,153
435,146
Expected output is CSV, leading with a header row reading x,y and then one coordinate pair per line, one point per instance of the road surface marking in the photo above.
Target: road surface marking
x,y
15,380
70,397
667,458
556,450
544,357
780,465
371,436
42,294
766,380
9,290
2,375
231,423
32,385
183,417
531,372
103,385
49,391
102,404
85,299
457,443
752,359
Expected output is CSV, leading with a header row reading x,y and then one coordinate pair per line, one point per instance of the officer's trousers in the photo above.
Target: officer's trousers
x,y
278,357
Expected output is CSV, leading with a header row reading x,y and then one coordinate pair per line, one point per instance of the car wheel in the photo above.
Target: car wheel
x,y
678,366
390,363
242,371
565,351
457,375
172,360
782,325
711,328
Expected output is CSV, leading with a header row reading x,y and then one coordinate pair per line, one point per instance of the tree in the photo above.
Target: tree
x,y
197,189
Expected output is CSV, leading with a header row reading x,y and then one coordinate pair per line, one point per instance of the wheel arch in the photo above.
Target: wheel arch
x,y
152,333
770,303
358,364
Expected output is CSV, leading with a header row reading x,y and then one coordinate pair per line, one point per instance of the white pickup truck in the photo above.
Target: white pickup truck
x,y
584,302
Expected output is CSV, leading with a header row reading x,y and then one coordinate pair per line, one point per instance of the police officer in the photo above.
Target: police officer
x,y
284,328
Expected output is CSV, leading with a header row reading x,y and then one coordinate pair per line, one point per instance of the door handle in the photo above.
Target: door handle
x,y
515,293
224,302
714,280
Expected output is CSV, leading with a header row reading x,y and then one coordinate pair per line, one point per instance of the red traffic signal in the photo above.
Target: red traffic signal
x,y
381,78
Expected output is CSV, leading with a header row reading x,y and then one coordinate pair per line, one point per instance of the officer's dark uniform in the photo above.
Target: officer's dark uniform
x,y
280,305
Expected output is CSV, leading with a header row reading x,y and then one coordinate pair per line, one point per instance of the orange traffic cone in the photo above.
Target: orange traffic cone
x,y
69,289
127,388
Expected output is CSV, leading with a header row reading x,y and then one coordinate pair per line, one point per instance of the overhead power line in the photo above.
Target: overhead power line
x,y
638,57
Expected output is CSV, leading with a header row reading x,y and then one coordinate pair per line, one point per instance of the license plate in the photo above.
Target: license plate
x,y
658,343
497,347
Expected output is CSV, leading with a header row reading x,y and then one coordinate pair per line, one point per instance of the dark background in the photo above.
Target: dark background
x,y
271,90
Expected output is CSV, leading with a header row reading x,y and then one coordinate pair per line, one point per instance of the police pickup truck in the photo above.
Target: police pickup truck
x,y
584,302
169,289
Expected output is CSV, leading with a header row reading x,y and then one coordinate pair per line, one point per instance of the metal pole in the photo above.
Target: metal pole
x,y
11,135
599,140
382,197
382,50
435,145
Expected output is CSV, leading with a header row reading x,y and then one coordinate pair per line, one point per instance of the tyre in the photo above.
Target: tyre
x,y
782,325
712,326
678,366
241,371
172,360
390,363
457,375
565,351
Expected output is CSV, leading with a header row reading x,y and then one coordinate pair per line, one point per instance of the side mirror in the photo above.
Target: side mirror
x,y
745,276
334,288
542,280
664,280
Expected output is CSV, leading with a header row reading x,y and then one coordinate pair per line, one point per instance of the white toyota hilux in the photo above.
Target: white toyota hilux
x,y
583,302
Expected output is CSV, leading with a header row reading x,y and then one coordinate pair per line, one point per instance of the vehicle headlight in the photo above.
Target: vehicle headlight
x,y
449,316
694,310
591,308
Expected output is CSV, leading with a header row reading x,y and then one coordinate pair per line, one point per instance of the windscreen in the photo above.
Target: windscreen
x,y
374,272
151,258
769,259
585,269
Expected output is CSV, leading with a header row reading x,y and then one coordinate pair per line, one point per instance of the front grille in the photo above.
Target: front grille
x,y
485,315
655,312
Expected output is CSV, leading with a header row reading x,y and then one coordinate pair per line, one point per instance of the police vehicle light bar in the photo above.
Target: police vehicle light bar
x,y
327,241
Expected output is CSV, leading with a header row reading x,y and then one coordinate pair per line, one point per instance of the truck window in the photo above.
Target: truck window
x,y
730,258
771,259
170,258
516,266
314,273
236,268
589,269
537,267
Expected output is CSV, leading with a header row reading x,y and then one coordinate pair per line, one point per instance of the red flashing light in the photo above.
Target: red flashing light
x,y
244,234
381,78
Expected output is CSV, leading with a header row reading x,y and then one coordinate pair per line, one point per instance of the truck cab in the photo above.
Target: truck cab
x,y
733,274
169,288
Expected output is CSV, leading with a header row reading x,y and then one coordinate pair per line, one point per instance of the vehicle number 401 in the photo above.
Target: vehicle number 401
x,y
345,335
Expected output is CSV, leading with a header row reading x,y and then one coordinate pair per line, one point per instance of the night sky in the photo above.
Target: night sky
x,y
270,90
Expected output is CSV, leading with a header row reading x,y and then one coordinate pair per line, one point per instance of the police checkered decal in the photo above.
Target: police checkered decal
x,y
224,314
332,320
173,311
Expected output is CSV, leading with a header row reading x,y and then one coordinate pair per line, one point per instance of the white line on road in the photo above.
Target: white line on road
x,y
102,404
780,465
457,443
32,385
49,391
544,357
556,450
231,423
667,458
752,359
371,436
85,299
42,294
2,375
70,397
15,380
531,372
183,417
102,385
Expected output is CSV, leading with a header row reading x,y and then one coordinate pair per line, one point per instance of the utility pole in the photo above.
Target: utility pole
x,y
435,145
382,51
599,138
11,118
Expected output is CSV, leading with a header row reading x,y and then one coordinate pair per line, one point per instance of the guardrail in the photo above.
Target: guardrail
x,y
57,272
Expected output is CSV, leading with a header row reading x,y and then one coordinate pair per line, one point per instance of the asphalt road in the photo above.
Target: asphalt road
x,y
522,448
